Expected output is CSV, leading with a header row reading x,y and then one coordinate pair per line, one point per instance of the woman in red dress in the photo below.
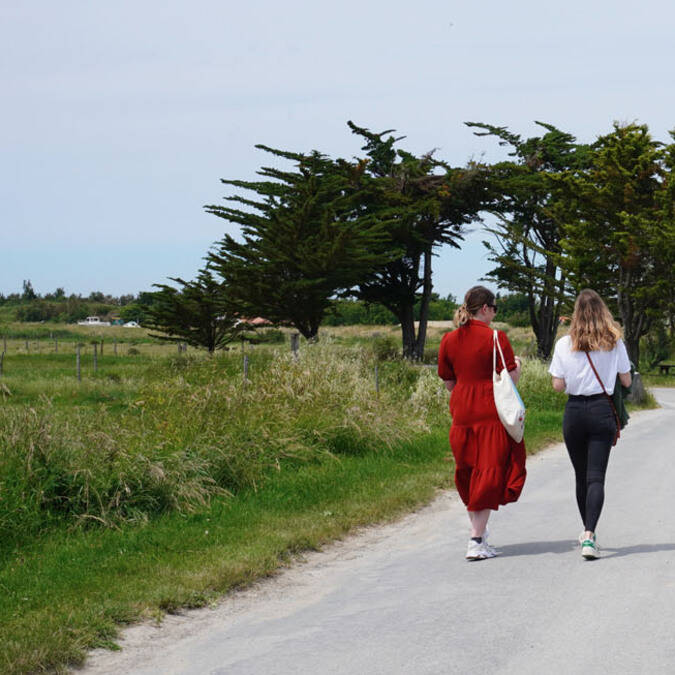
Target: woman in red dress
x,y
490,465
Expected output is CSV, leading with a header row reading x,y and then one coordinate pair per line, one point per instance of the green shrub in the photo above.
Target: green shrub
x,y
520,319
385,348
656,346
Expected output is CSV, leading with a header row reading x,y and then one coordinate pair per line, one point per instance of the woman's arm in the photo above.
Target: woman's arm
x,y
450,384
624,365
558,383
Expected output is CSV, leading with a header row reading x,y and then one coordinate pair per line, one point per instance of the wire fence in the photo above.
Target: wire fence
x,y
91,352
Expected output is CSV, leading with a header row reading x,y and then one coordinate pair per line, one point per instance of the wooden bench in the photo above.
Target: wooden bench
x,y
664,368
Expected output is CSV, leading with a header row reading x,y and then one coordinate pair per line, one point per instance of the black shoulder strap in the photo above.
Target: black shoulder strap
x,y
609,398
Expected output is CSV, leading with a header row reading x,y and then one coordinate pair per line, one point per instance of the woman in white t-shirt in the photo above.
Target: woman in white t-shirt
x,y
589,424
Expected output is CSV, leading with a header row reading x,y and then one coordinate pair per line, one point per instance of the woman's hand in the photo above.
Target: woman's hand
x,y
558,383
450,384
515,373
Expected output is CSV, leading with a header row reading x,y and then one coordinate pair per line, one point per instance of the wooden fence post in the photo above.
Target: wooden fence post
x,y
2,358
101,347
95,356
56,346
27,346
377,380
246,368
295,344
77,363
115,346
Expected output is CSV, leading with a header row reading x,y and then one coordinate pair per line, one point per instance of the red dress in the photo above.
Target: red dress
x,y
490,465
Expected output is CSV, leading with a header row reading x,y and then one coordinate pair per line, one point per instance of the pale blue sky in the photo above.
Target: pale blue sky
x,y
119,119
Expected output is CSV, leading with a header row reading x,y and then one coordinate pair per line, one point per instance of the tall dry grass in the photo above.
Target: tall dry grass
x,y
193,431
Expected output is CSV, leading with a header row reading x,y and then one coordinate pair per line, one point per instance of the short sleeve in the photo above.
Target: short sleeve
x,y
507,349
556,368
623,362
445,369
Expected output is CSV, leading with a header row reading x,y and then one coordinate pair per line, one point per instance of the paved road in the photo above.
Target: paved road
x,y
401,598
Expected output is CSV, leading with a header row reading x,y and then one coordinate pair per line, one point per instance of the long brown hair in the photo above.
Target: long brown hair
x,y
475,298
592,327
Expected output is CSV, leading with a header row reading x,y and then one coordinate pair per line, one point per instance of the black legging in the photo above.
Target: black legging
x,y
588,429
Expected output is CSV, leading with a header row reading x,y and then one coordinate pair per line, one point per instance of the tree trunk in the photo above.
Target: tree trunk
x,y
547,328
312,335
406,316
544,319
633,348
309,329
632,322
427,287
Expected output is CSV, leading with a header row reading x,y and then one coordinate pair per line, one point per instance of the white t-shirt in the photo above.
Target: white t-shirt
x,y
575,369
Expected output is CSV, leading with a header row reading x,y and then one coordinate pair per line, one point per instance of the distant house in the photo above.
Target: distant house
x,y
257,322
93,321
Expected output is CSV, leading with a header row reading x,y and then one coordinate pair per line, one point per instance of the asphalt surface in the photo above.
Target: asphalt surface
x,y
402,599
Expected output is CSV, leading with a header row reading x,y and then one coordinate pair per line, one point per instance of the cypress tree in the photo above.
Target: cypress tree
x,y
427,204
620,235
198,313
305,238
530,208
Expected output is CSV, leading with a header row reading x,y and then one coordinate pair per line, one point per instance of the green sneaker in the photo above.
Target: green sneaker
x,y
589,549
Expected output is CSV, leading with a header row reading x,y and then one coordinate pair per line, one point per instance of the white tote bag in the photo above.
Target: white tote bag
x,y
510,406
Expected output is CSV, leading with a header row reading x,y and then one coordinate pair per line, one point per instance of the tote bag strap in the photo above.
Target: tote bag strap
x,y
495,346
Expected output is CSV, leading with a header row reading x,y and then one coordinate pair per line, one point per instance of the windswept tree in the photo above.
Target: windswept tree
x,y
427,204
305,238
621,238
529,207
667,203
198,313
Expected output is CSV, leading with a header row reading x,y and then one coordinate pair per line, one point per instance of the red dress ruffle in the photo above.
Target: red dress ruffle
x,y
489,464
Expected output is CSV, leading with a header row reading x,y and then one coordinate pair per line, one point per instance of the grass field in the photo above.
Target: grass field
x,y
163,480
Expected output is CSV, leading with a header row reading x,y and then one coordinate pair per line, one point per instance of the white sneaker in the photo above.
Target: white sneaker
x,y
589,549
476,551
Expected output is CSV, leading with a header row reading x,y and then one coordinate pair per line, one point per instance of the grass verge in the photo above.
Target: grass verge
x,y
69,591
